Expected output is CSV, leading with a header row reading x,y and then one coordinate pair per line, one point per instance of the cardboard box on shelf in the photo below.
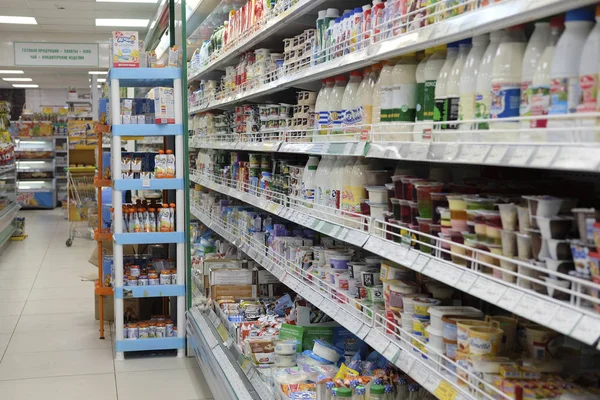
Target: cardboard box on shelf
x,y
208,265
237,291
134,305
265,277
237,276
124,49
164,105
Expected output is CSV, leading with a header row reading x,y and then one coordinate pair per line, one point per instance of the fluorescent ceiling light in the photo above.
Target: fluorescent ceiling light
x,y
17,79
138,23
153,24
17,20
24,85
101,80
98,72
127,1
11,71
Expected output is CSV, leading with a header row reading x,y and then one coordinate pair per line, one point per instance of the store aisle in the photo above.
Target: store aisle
x,y
49,346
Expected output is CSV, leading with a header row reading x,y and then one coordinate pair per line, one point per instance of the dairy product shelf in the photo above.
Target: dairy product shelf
x,y
520,289
7,215
218,358
7,168
148,184
135,292
435,372
486,19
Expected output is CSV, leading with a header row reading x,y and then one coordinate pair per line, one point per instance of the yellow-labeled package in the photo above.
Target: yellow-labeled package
x,y
125,49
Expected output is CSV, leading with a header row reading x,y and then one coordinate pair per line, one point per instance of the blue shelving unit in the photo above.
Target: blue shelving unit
x,y
148,77
153,184
138,292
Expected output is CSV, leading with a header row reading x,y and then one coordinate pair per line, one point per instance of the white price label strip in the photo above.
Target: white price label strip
x,y
392,353
451,151
363,331
349,322
432,382
420,263
329,308
578,158
487,290
420,373
587,330
496,154
564,320
543,311
544,156
510,299
405,361
378,342
466,281
526,305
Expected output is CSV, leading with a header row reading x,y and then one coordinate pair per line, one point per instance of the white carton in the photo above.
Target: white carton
x,y
164,105
125,49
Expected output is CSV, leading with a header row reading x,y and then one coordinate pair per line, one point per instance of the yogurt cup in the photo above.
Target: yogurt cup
x,y
421,306
485,341
508,215
377,194
394,292
523,217
462,332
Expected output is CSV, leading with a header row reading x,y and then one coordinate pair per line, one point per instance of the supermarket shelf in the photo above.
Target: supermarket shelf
x,y
149,238
7,168
366,325
21,169
20,150
150,344
79,101
82,147
249,41
568,317
103,290
149,184
219,365
134,292
561,156
144,77
102,182
497,16
7,215
81,169
102,236
147,130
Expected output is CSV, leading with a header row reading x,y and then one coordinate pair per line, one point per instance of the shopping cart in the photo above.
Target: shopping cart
x,y
81,205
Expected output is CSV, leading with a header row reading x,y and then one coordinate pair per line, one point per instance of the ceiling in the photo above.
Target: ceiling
x,y
64,21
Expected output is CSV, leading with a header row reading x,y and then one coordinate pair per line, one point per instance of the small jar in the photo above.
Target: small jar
x,y
143,280
169,328
151,329
174,277
153,278
125,331
134,270
161,330
143,330
133,331
174,331
132,280
165,277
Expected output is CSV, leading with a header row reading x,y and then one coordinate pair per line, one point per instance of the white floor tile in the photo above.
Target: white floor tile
x,y
14,295
18,273
184,384
8,324
4,339
56,363
79,321
89,387
59,278
60,293
10,308
14,284
34,342
155,364
59,306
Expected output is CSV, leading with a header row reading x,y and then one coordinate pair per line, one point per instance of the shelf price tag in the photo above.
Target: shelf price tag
x,y
377,341
581,158
391,353
487,290
329,308
544,156
564,320
419,151
496,154
445,391
587,330
363,332
466,281
510,299
451,151
420,263
420,373
405,361
521,155
432,382
475,153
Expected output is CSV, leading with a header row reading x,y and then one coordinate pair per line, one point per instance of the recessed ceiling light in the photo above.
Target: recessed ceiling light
x,y
138,23
25,85
100,80
127,1
11,71
17,20
98,72
17,79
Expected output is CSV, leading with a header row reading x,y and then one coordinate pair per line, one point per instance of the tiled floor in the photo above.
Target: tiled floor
x,y
49,346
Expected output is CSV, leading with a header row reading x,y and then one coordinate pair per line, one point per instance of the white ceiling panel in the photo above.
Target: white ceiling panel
x,y
69,28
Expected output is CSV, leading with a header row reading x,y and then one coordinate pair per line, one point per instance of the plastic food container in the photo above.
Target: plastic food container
x,y
554,227
435,338
391,193
393,272
437,312
508,215
485,341
377,177
438,200
409,302
377,210
285,360
462,331
558,249
585,218
524,246
378,194
338,260
523,217
458,212
327,351
424,190
581,258
421,306
395,290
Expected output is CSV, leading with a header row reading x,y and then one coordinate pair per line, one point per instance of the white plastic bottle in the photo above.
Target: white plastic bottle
x,y
404,98
364,101
506,84
441,104
321,179
346,183
535,47
468,85
541,81
356,29
564,89
377,14
421,95
432,72
453,90
335,184
308,180
335,107
484,85
356,192
386,84
350,102
589,68
366,27
322,24
322,109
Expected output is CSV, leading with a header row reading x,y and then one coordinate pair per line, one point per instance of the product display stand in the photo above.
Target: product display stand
x,y
8,213
147,77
